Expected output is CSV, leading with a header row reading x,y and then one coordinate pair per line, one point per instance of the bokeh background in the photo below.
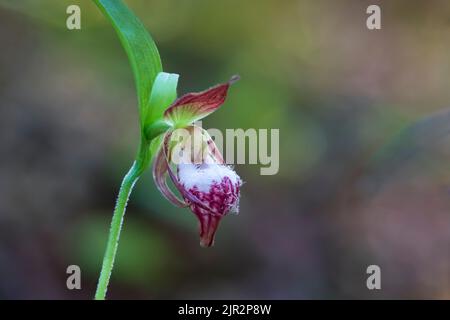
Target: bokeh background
x,y
364,150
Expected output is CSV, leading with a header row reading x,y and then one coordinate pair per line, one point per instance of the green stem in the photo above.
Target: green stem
x,y
128,182
114,233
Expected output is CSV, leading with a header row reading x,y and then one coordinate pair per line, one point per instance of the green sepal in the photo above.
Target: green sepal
x,y
155,129
163,93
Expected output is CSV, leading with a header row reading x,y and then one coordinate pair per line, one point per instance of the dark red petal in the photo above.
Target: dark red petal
x,y
194,106
208,224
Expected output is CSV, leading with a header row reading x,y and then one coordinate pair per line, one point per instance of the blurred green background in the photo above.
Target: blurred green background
x,y
364,150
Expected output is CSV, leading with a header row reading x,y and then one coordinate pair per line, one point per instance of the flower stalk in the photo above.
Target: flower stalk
x,y
114,233
128,182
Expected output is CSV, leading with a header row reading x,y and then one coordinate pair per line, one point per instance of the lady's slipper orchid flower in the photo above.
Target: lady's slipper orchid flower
x,y
206,184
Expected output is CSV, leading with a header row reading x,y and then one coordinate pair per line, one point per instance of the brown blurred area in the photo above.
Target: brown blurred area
x,y
364,176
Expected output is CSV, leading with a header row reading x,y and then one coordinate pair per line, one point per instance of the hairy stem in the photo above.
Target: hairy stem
x,y
116,225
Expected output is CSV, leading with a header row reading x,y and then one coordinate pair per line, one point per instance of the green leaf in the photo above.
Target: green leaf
x,y
139,46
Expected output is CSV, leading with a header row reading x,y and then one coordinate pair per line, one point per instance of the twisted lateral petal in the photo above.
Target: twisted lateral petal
x,y
160,167
186,195
195,106
213,151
